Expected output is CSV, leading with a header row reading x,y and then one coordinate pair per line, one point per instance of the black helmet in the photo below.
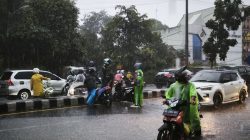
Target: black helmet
x,y
91,63
182,75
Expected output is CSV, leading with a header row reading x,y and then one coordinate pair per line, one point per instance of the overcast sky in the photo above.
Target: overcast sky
x,y
169,12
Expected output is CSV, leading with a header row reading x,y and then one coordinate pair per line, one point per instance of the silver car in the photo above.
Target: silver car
x,y
17,83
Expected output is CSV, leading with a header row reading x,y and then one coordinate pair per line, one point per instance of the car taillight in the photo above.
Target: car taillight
x,y
9,82
168,75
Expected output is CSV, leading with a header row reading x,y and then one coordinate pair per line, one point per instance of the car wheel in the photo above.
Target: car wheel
x,y
242,96
217,100
24,94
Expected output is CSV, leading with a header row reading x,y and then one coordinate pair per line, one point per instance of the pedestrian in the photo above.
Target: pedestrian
x,y
36,84
139,83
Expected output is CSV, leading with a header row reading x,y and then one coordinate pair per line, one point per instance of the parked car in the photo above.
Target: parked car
x,y
17,83
216,87
243,70
164,78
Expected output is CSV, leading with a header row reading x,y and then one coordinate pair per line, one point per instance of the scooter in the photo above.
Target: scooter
x,y
47,89
173,127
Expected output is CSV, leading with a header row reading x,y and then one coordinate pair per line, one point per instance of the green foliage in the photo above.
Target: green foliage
x,y
226,14
129,38
39,33
91,34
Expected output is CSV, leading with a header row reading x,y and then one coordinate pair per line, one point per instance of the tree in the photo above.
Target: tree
x,y
226,14
90,33
129,38
40,33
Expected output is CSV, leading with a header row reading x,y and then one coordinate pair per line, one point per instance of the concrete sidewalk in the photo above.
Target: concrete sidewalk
x,y
56,102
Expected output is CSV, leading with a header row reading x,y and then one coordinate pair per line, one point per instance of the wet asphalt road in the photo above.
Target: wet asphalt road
x,y
230,122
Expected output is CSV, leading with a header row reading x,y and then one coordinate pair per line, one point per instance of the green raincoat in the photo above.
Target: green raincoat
x,y
185,92
139,87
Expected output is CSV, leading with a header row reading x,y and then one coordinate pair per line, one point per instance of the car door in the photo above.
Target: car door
x,y
55,82
22,79
228,86
243,73
236,84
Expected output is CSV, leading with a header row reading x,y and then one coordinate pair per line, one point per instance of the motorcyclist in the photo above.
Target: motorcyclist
x,y
139,83
36,83
107,74
119,80
185,90
129,79
91,86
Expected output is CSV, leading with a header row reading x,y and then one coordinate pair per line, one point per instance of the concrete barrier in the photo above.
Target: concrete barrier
x,y
56,102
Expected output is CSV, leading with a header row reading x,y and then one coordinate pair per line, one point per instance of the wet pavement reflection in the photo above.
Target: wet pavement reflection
x,y
121,122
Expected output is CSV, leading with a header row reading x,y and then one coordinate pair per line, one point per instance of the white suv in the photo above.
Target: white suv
x,y
217,87
17,83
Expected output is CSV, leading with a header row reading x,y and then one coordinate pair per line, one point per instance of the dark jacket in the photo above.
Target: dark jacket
x,y
107,77
90,82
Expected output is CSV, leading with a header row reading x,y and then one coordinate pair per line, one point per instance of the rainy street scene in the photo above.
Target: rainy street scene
x,y
124,70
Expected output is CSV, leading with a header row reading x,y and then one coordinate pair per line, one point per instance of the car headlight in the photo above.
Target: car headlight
x,y
206,88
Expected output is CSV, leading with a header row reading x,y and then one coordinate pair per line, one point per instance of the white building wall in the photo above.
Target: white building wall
x,y
176,36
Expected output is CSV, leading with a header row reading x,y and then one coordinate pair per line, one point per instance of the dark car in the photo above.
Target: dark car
x,y
243,70
164,78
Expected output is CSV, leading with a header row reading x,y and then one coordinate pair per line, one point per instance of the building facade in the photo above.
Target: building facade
x,y
198,34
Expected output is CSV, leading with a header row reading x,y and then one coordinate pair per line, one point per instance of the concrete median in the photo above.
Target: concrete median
x,y
56,102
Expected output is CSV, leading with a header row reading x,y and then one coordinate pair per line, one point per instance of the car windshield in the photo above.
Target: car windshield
x,y
206,76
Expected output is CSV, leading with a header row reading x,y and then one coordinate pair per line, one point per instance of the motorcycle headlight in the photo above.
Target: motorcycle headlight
x,y
206,88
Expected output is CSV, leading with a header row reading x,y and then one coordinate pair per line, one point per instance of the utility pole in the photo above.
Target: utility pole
x,y
186,34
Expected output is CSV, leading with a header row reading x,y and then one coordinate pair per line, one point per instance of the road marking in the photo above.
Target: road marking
x,y
18,113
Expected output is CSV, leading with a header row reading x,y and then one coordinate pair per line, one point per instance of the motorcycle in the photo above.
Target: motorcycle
x,y
122,93
47,89
104,96
173,127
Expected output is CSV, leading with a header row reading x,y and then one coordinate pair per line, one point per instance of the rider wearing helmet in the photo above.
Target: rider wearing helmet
x,y
139,83
185,90
107,74
36,83
90,83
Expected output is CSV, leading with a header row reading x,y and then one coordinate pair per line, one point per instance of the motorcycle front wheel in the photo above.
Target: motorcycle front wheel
x,y
165,134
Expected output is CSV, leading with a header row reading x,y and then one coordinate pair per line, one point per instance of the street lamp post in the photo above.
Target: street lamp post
x,y
186,34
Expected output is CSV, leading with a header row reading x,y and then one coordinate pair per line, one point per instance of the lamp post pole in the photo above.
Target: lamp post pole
x,y
186,34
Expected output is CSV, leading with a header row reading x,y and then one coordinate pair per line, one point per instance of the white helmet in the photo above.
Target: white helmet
x,y
36,70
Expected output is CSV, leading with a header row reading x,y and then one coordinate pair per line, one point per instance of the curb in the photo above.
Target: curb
x,y
153,94
59,102
40,104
